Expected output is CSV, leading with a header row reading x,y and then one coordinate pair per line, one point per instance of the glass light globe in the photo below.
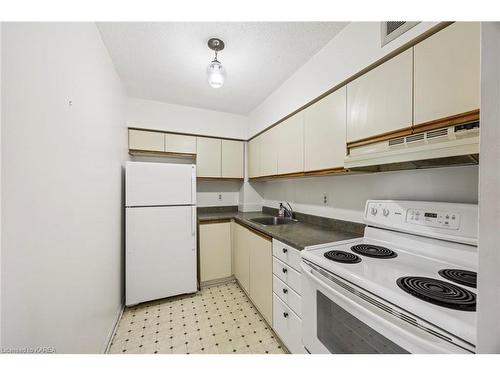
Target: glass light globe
x,y
216,74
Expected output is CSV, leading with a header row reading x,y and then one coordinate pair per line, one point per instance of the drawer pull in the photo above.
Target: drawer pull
x,y
285,250
284,270
285,290
285,314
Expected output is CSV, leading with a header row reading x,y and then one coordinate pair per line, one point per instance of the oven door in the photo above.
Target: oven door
x,y
339,317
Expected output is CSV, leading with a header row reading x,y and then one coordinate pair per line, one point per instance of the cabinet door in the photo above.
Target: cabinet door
x,y
183,144
324,132
241,257
380,101
215,251
447,69
254,157
208,157
145,140
261,275
232,159
290,145
269,152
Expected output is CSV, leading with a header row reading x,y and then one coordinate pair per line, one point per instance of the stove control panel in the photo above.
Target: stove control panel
x,y
450,221
437,219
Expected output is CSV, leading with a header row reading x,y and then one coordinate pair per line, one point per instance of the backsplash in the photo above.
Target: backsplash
x,y
346,195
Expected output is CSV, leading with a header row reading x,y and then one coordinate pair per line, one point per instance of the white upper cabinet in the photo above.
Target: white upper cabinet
x,y
290,144
380,101
325,132
182,144
146,140
447,72
254,157
269,144
232,159
208,158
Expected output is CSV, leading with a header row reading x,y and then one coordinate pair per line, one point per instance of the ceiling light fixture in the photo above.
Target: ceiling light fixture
x,y
215,71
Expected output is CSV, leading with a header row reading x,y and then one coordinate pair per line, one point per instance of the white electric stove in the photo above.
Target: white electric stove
x,y
407,286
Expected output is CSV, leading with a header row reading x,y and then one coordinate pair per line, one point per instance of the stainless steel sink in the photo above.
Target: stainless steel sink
x,y
273,220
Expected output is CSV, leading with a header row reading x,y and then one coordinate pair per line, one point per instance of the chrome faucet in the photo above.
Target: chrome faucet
x,y
289,211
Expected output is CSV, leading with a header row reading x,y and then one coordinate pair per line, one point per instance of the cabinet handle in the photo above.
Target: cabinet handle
x,y
285,314
284,270
285,251
285,290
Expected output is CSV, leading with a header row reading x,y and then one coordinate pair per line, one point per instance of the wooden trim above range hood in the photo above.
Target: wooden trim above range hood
x,y
444,122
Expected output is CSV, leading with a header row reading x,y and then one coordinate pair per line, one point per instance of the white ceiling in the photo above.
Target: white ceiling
x,y
166,61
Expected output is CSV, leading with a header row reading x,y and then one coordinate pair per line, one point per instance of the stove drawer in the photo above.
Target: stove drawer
x,y
287,274
287,295
288,326
287,254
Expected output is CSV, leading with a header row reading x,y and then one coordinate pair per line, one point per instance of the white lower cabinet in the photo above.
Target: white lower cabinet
x,y
287,300
215,251
287,295
253,268
287,274
241,257
288,326
286,254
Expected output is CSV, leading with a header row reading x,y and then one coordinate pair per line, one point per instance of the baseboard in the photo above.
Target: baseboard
x,y
217,281
114,327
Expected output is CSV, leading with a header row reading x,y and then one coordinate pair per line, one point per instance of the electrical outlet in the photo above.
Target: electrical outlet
x,y
220,196
325,199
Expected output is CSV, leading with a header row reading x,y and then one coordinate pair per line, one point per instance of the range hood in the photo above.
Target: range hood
x,y
453,145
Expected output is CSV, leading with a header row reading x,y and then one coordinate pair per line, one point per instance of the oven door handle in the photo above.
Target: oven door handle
x,y
427,342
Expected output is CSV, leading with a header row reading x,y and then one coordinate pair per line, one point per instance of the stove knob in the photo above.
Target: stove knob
x,y
373,211
385,212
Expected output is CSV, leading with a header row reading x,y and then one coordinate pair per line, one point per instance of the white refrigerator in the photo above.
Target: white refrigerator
x,y
160,258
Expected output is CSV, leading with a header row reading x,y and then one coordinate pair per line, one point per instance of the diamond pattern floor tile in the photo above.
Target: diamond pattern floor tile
x,y
218,320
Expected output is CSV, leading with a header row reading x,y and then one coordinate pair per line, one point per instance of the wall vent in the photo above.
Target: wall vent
x,y
415,137
393,29
397,141
437,133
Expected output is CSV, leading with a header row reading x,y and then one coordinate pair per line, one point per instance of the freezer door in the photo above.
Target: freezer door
x,y
160,252
160,184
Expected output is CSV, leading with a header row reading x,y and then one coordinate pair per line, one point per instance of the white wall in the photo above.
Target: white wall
x,y
62,191
347,194
488,338
150,114
353,49
208,193
249,198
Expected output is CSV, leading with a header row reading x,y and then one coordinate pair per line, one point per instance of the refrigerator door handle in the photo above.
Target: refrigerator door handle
x,y
193,220
193,185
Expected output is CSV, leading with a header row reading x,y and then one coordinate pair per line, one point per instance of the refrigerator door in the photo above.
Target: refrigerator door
x,y
160,184
161,252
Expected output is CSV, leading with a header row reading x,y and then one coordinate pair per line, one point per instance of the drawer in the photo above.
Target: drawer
x,y
288,326
287,274
287,295
286,254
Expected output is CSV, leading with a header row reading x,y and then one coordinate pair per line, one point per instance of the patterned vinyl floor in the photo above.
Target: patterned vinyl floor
x,y
218,320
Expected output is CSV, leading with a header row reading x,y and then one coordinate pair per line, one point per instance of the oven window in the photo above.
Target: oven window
x,y
343,333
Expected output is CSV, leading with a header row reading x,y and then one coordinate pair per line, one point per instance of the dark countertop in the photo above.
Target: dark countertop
x,y
297,235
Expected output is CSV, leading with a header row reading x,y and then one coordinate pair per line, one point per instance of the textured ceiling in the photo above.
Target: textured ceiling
x,y
167,61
